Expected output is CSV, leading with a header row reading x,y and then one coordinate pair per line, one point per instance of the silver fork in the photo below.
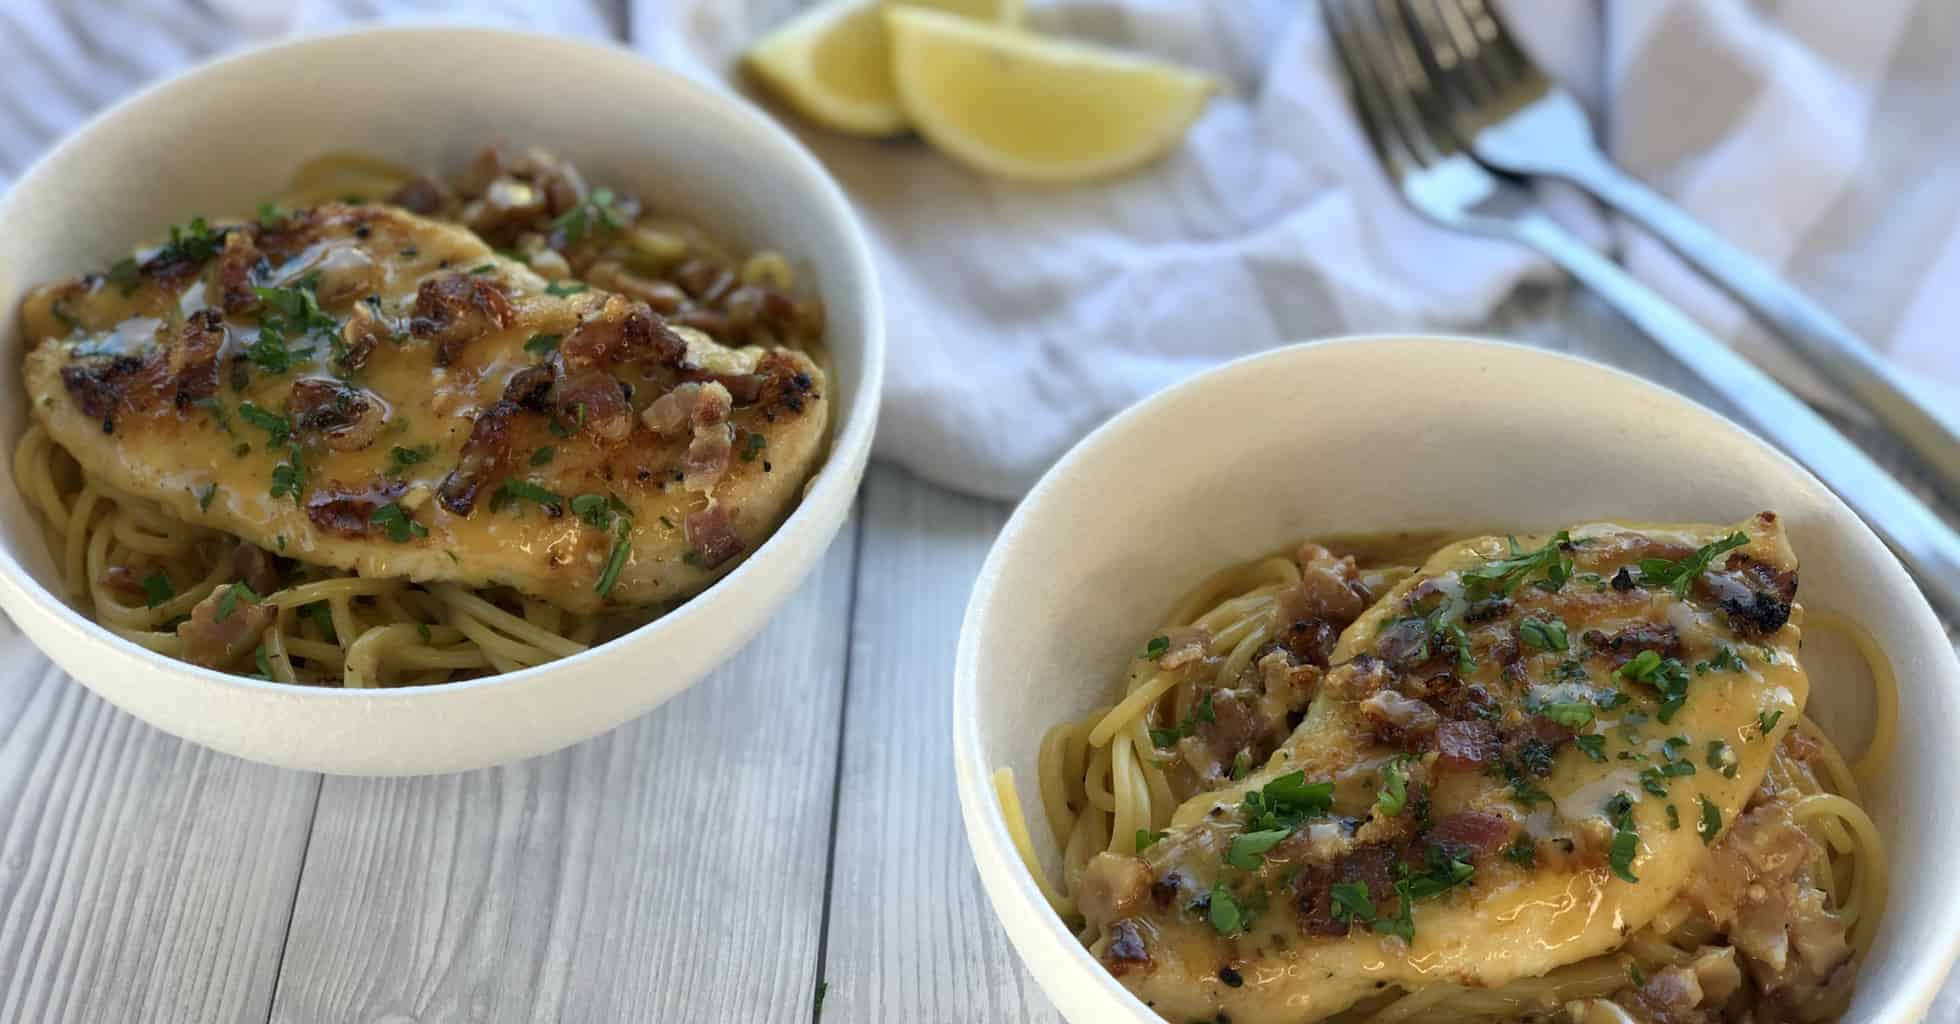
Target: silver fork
x,y
1409,126
1515,119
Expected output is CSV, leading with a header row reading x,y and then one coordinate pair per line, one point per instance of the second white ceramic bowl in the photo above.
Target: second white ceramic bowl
x,y
227,135
1416,433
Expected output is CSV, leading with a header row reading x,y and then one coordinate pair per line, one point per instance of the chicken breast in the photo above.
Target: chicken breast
x,y
1519,757
362,388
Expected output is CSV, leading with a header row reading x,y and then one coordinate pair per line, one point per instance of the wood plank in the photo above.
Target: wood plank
x,y
670,870
911,936
141,878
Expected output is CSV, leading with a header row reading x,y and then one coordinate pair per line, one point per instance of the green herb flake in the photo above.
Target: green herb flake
x,y
395,522
1766,720
1147,839
1248,849
126,275
157,589
1522,851
278,429
1571,714
1394,794
622,546
204,496
1226,917
1677,576
322,616
542,344
484,268
561,289
1351,903
1593,746
1673,819
543,456
1502,575
513,491
1711,822
1156,647
228,601
754,446
400,458
1544,634
264,664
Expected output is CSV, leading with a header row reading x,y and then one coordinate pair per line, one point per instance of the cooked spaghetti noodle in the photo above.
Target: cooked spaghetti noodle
x,y
1106,782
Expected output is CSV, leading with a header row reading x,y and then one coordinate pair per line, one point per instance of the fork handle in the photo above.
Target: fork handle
x,y
1827,344
1924,542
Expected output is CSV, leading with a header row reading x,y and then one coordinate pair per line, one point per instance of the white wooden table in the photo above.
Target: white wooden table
x,y
700,864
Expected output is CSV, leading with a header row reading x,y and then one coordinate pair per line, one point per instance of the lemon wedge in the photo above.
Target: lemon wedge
x,y
1036,109
998,12
833,65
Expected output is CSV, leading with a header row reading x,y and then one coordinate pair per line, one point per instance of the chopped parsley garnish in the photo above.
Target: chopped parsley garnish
x,y
1226,918
1677,576
1544,634
1249,848
1522,851
157,589
1202,713
1147,839
1523,791
1667,676
1593,746
322,617
593,212
1576,714
542,344
1156,647
1241,764
1626,842
1711,822
289,478
259,659
194,243
512,491
396,523
228,601
1394,793
754,447
218,414
1503,575
1721,757
1766,720
564,288
1726,660
543,456
484,268
1351,903
622,546
399,458
1673,819
126,275
1286,801
204,496
276,426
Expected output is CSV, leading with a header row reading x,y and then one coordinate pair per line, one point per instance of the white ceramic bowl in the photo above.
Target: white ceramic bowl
x,y
1418,433
224,136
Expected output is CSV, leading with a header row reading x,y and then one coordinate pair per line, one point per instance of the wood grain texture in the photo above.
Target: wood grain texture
x,y
911,936
670,870
141,878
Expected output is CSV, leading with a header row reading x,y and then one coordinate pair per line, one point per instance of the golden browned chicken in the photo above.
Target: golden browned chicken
x,y
363,388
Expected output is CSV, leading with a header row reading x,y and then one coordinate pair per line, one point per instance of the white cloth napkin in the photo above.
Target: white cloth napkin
x,y
1811,132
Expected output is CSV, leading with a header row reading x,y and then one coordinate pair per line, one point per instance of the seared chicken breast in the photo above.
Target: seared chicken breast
x,y
362,388
1519,756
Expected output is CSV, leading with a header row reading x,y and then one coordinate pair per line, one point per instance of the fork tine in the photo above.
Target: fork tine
x,y
1495,39
1423,111
1444,42
1370,95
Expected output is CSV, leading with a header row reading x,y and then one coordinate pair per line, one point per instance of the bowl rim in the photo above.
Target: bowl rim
x,y
987,838
852,433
